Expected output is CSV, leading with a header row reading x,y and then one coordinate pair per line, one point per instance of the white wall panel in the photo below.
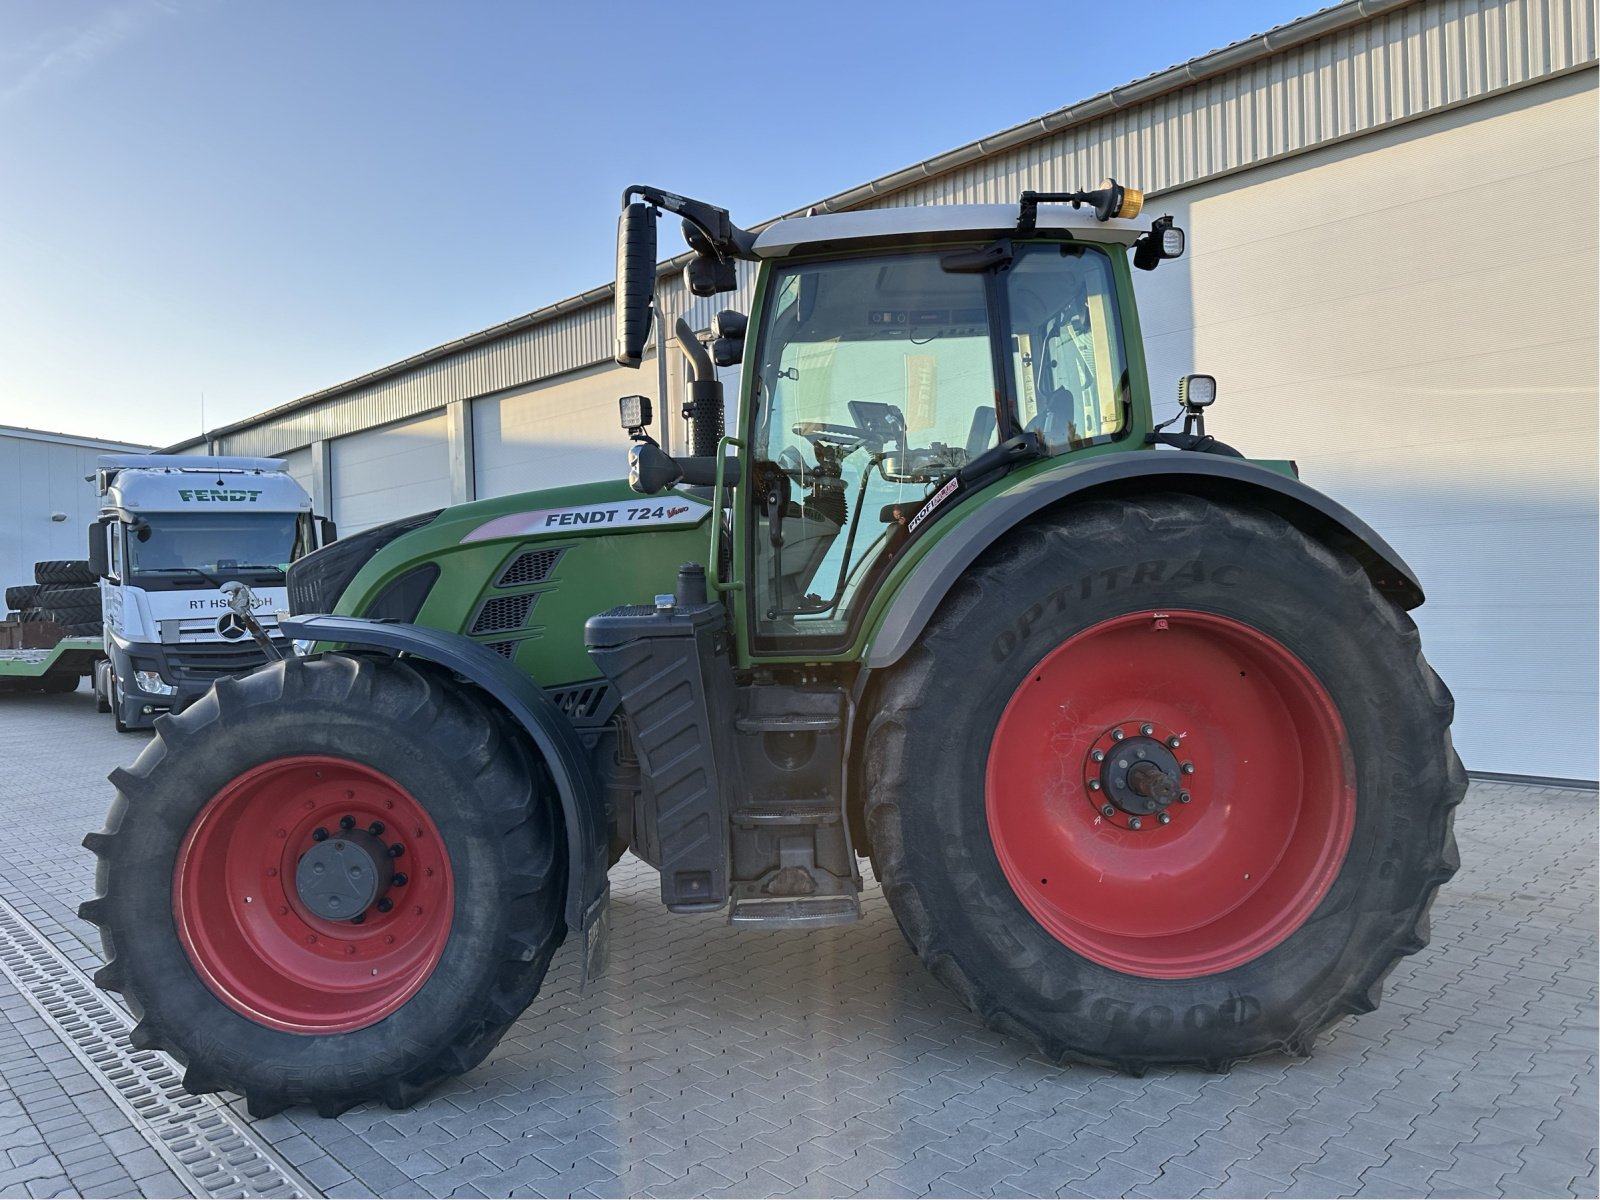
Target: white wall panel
x,y
1425,346
391,472
39,478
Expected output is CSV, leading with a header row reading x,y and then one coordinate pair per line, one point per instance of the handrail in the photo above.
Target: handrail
x,y
714,574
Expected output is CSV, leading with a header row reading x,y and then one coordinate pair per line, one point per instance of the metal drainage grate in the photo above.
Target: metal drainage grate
x,y
531,566
209,1149
504,612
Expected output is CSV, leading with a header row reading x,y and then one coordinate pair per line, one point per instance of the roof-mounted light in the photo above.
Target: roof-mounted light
x,y
1108,200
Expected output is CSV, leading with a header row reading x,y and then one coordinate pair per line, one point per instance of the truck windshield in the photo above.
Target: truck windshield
x,y
215,544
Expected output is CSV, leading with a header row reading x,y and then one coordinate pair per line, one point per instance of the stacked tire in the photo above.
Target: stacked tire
x,y
66,593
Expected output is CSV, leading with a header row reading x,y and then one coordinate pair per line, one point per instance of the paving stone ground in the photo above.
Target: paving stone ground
x,y
830,1063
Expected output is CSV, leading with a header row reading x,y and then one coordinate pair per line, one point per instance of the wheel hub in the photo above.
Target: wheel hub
x,y
1133,772
339,878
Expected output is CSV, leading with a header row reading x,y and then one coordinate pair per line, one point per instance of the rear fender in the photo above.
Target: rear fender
x,y
1215,477
582,805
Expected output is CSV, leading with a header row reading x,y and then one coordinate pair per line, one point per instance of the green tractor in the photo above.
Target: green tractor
x,y
1135,732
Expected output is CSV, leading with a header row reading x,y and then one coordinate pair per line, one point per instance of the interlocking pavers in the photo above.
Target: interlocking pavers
x,y
793,1063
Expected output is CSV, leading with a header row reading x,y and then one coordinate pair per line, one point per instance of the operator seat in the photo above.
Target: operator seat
x,y
1054,420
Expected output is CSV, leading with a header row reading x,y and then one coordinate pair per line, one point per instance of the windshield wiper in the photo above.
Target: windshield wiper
x,y
206,575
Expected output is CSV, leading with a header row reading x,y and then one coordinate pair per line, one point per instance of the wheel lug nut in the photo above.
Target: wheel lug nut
x,y
1107,811
319,834
1098,755
1094,785
396,850
1117,735
1188,768
399,879
358,919
347,822
1165,818
1147,730
1183,797
1174,742
376,829
1135,823
385,904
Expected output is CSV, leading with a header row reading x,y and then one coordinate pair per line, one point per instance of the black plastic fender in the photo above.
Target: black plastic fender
x,y
1215,477
582,805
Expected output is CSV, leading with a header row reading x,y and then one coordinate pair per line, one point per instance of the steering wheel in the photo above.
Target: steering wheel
x,y
846,437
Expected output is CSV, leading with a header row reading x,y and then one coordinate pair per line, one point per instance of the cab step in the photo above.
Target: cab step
x,y
794,912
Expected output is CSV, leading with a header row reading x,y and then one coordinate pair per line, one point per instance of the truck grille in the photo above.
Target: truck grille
x,y
209,662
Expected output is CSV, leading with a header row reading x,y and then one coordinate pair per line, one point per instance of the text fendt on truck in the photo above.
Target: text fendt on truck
x,y
147,615
1135,732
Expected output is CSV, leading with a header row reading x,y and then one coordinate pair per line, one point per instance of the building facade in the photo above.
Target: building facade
x,y
46,503
1391,210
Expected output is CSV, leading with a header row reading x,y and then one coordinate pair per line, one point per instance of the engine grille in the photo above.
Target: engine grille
x,y
504,612
207,662
531,566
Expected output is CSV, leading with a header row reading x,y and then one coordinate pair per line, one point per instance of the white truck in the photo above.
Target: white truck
x,y
172,531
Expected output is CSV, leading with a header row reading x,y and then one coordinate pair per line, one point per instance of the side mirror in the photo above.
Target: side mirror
x,y
708,271
99,555
636,280
328,530
727,333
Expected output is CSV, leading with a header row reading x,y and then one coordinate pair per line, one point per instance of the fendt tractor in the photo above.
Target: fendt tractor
x,y
1136,733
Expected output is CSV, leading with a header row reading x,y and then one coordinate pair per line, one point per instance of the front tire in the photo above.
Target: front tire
x,y
233,954
1291,821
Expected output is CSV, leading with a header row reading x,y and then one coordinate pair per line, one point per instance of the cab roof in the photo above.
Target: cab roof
x,y
935,223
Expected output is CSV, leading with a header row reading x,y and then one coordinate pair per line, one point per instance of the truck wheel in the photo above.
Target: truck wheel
x,y
99,679
239,961
1204,797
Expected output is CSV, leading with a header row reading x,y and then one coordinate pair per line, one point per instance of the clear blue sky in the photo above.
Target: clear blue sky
x,y
258,200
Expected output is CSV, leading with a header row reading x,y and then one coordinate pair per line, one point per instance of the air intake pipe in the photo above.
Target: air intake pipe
x,y
703,409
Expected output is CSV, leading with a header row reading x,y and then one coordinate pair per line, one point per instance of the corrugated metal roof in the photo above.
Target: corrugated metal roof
x,y
1340,72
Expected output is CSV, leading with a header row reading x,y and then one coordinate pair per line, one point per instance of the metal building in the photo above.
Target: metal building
x,y
1391,208
46,503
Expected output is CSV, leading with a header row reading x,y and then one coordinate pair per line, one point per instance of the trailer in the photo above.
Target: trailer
x,y
49,669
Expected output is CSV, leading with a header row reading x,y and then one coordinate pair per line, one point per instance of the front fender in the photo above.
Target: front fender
x,y
582,805
1214,477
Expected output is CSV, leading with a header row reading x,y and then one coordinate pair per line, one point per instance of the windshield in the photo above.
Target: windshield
x,y
877,382
876,385
215,544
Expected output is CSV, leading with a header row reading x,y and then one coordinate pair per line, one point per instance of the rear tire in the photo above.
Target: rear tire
x,y
69,571
1324,783
273,1001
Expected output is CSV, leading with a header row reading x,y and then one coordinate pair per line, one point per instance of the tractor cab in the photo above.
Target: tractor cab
x,y
897,361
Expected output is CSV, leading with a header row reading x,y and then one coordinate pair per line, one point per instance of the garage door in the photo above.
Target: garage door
x,y
1412,316
561,432
298,464
391,472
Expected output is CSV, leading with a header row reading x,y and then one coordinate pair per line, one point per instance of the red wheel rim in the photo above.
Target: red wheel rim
x,y
1241,863
250,935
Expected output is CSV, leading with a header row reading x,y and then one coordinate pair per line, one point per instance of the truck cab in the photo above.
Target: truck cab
x,y
171,532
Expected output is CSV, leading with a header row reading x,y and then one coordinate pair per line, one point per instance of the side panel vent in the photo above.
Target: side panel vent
x,y
504,612
531,566
583,701
503,649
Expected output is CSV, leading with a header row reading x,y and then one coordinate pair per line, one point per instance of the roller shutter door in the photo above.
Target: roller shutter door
x,y
392,472
556,433
1412,316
